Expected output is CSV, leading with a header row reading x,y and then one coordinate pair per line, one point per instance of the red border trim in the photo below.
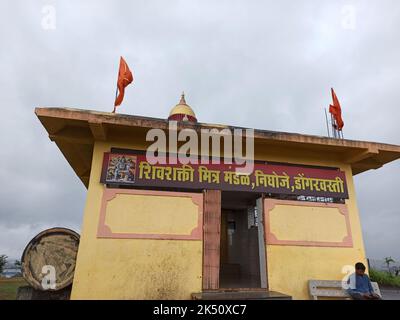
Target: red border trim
x,y
269,204
103,231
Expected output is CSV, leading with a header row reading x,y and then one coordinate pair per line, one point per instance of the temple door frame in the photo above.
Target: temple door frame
x,y
262,242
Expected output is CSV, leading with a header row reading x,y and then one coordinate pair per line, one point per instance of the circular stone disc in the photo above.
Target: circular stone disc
x,y
50,254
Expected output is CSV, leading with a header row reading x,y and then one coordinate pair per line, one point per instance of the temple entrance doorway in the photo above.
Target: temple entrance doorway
x,y
242,247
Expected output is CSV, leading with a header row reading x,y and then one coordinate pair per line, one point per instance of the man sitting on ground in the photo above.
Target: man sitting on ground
x,y
360,287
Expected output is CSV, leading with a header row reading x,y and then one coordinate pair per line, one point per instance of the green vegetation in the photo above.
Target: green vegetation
x,y
9,287
388,261
3,261
384,278
17,264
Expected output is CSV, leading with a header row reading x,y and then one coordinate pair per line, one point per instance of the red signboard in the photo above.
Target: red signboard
x,y
134,170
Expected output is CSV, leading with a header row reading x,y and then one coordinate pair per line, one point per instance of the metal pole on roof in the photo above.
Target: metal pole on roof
x,y
116,95
327,126
333,127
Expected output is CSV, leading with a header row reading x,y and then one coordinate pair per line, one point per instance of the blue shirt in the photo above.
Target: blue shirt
x,y
363,284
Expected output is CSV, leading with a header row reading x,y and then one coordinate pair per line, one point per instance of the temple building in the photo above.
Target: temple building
x,y
181,230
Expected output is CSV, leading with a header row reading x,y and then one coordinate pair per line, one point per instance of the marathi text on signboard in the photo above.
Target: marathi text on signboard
x,y
135,170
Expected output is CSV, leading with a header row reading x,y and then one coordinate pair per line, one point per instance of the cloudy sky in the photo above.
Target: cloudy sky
x,y
260,64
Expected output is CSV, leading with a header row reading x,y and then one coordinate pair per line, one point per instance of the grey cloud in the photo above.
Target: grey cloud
x,y
259,64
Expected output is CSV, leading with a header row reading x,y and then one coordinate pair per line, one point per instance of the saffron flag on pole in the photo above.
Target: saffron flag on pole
x,y
336,111
125,78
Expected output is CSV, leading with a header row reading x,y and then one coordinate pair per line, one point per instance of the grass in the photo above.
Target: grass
x,y
384,278
8,287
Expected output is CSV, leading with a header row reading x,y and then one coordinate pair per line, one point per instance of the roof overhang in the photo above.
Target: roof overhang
x,y
75,131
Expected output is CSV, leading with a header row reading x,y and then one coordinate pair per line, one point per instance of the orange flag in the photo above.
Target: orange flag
x,y
336,111
125,78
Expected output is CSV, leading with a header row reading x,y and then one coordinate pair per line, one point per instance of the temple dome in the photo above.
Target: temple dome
x,y
182,111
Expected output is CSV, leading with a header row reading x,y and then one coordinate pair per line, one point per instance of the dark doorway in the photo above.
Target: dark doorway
x,y
239,247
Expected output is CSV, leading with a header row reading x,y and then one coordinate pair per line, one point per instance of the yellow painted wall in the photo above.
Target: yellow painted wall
x,y
306,223
290,267
136,268
154,214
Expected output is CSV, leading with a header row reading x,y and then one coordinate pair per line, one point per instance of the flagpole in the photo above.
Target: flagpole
x,y
116,94
327,126
336,128
333,127
116,89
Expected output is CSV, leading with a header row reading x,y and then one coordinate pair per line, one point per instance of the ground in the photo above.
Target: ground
x,y
8,287
390,293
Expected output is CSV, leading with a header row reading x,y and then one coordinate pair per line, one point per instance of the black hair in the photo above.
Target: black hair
x,y
360,266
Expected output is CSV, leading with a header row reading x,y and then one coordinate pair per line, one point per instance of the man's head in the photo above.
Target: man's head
x,y
360,268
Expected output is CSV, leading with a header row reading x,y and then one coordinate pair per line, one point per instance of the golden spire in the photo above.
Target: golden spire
x,y
182,101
